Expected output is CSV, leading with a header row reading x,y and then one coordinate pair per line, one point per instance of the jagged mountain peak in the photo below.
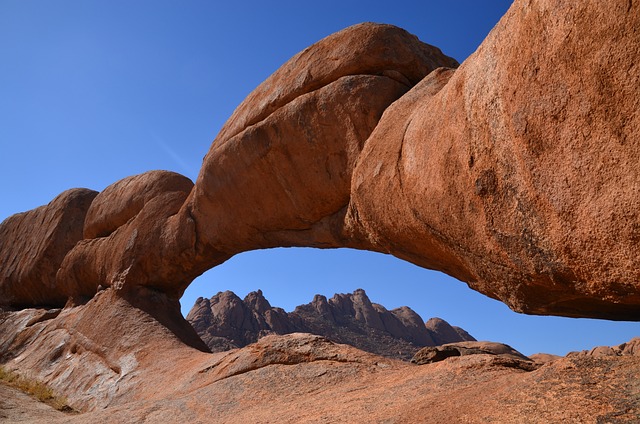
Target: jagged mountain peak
x,y
225,322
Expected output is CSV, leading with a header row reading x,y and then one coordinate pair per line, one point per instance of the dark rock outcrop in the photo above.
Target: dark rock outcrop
x,y
442,332
225,322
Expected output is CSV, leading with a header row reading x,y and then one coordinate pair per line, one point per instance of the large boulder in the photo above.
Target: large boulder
x,y
278,174
33,244
117,204
518,173
442,332
431,354
127,238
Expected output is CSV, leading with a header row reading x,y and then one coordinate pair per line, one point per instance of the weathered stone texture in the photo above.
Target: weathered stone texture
x,y
33,245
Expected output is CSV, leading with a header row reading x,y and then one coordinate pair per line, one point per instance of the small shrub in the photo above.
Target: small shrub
x,y
35,388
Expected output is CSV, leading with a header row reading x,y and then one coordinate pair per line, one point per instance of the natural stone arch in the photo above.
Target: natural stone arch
x,y
361,141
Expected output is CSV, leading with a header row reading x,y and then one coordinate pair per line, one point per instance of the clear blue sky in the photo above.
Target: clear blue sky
x,y
94,91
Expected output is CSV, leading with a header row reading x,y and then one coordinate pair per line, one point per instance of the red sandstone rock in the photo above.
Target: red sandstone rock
x,y
300,133
364,49
516,173
102,353
323,103
33,245
631,348
139,371
544,358
18,407
432,354
464,173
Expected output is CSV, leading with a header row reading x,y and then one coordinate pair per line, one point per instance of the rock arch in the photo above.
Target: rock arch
x,y
516,173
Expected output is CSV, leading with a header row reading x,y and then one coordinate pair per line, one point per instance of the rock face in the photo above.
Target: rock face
x,y
631,348
33,244
225,322
126,239
123,200
516,173
99,354
323,103
430,355
144,374
442,333
155,231
369,139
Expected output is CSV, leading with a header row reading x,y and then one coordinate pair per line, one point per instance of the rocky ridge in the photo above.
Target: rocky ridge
x,y
226,322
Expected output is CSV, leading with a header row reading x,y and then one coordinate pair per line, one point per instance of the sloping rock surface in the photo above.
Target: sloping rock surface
x,y
144,376
123,200
18,407
225,322
106,352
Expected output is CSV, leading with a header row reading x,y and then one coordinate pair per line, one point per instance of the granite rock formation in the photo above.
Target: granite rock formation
x,y
33,245
515,173
370,139
303,378
225,322
431,354
323,103
442,332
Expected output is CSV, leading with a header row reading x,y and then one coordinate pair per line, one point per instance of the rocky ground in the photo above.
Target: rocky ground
x,y
18,407
305,378
138,371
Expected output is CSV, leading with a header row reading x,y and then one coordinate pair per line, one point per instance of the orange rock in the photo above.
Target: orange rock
x,y
33,245
278,174
518,175
123,200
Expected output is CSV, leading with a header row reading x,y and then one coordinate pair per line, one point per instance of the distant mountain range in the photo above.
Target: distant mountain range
x,y
226,322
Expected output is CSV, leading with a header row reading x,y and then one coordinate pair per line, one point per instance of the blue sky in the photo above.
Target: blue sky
x,y
94,91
